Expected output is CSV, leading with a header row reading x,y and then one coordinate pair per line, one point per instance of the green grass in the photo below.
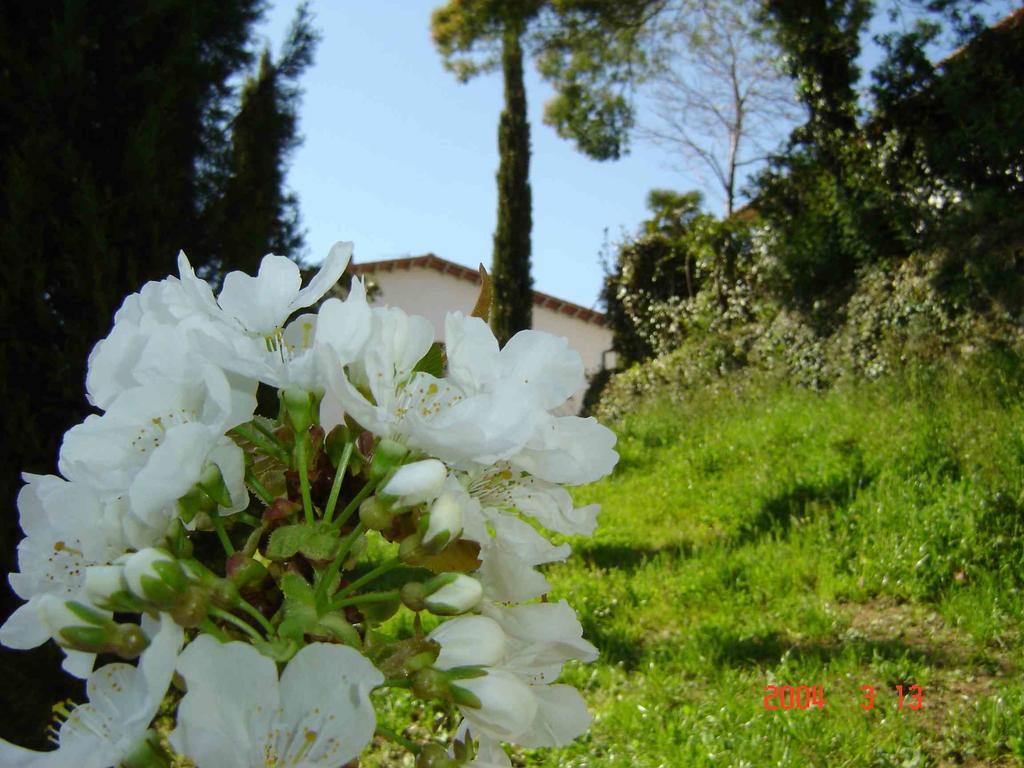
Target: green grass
x,y
869,535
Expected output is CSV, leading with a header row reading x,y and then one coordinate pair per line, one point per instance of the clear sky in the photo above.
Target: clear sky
x,y
400,158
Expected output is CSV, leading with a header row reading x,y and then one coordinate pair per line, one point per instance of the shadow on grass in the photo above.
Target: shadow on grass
x,y
625,557
778,513
729,650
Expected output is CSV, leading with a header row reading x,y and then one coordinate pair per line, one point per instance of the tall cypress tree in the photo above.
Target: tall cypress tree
x,y
510,271
476,36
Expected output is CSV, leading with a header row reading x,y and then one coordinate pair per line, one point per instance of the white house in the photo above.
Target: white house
x,y
431,286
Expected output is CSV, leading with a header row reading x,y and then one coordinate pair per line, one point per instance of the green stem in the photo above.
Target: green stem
x,y
369,597
387,733
353,505
261,442
380,570
339,477
241,624
301,448
396,682
250,520
253,611
335,567
218,526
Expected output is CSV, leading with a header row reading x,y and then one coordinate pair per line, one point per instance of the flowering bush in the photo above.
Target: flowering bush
x,y
253,565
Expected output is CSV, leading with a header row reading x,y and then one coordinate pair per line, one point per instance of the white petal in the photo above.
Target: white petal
x,y
227,716
261,304
344,326
329,274
327,716
472,352
23,629
172,469
545,363
551,506
570,450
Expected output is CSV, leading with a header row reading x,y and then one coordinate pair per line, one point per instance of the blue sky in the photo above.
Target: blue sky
x,y
400,158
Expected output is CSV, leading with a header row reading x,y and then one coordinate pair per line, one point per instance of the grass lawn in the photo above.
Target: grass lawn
x,y
869,535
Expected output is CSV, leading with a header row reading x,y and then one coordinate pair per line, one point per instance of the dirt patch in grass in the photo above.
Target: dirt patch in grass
x,y
963,672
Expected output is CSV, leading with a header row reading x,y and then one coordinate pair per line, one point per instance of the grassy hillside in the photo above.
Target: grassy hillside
x,y
870,535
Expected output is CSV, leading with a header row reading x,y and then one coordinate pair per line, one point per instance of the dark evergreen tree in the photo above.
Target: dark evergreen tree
x,y
256,215
115,152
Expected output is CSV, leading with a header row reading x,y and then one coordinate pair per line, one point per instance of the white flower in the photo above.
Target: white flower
x,y
259,306
122,703
417,482
506,705
373,387
238,714
297,357
67,530
535,641
154,442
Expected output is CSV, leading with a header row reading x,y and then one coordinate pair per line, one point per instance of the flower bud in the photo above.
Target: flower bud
x,y
469,641
445,523
243,571
102,582
154,575
461,593
430,684
498,701
434,756
126,640
417,482
375,515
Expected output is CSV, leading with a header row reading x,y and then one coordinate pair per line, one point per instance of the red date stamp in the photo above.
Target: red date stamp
x,y
809,696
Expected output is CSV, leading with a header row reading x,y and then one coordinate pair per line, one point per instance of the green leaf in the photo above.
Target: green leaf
x,y
433,362
300,613
317,542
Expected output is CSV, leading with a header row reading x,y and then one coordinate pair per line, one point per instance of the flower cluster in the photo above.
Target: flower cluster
x,y
277,574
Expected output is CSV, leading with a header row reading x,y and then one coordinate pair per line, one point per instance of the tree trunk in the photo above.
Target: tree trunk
x,y
510,271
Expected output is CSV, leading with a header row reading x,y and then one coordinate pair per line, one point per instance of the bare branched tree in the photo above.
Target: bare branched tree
x,y
719,97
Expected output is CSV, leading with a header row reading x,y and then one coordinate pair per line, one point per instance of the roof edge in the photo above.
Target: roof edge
x,y
445,267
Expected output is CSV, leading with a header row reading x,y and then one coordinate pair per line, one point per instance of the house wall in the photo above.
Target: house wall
x,y
430,293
